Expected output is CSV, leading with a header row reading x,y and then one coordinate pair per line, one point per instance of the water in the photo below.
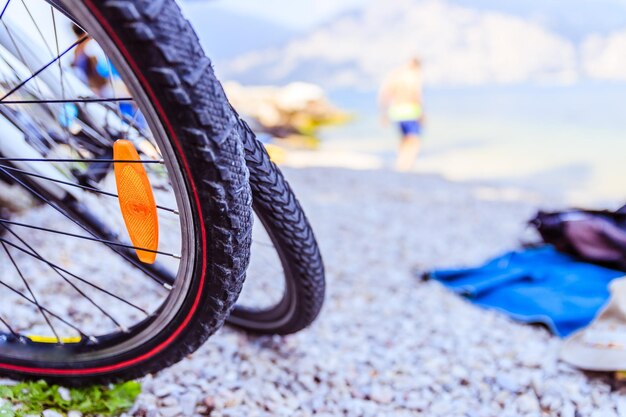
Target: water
x,y
569,140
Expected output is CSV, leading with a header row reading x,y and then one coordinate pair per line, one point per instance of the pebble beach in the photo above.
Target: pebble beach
x,y
387,342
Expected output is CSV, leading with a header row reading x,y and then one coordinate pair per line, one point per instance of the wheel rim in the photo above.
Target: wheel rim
x,y
17,346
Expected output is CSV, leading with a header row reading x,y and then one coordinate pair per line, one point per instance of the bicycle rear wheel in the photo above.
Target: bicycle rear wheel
x,y
285,288
79,312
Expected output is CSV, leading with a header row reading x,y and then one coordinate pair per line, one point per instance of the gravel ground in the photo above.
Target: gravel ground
x,y
388,344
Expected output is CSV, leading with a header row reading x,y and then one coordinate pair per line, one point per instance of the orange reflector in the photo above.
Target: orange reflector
x,y
136,200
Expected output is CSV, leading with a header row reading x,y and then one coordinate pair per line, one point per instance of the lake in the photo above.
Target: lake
x,y
569,140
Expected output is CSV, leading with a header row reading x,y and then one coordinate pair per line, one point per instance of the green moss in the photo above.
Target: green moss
x,y
35,397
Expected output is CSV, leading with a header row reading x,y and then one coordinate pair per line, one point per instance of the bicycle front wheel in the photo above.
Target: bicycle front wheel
x,y
80,302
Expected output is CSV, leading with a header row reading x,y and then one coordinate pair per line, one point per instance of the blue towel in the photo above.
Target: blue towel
x,y
537,285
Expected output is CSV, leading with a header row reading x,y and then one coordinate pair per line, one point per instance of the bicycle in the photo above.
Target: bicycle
x,y
163,153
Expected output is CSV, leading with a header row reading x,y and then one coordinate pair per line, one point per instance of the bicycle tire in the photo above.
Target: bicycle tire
x,y
146,36
286,223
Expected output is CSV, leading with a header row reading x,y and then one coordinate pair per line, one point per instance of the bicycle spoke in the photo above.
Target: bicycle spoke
x,y
8,326
56,316
68,101
82,187
32,294
42,69
133,121
64,278
90,161
65,271
109,244
66,123
4,9
41,35
76,222
25,62
92,239
21,56
110,68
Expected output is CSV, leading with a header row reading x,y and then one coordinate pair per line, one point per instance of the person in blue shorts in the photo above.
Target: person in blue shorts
x,y
401,101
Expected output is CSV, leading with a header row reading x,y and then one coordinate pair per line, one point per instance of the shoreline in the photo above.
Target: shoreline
x,y
565,185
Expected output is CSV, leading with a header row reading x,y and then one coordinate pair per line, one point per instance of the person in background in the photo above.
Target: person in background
x,y
401,101
88,63
92,66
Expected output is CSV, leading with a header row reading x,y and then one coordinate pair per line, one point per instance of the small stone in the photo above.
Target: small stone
x,y
148,400
604,412
188,403
153,412
621,405
169,401
528,404
568,410
209,404
164,390
51,413
64,393
74,413
508,383
381,394
7,382
171,411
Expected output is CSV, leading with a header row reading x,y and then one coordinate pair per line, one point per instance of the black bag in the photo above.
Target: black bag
x,y
593,236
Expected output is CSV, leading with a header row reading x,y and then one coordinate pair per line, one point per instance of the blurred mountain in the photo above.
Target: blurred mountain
x,y
462,42
226,34
459,45
573,19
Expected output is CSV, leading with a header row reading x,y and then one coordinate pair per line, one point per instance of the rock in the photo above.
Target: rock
x,y
188,403
171,411
7,382
169,401
51,413
528,404
209,404
381,394
64,393
568,410
508,383
153,412
165,390
621,405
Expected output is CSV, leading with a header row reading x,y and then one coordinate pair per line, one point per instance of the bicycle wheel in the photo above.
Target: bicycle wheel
x,y
285,288
74,309
286,291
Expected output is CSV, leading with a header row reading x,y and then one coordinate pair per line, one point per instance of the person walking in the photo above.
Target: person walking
x,y
401,102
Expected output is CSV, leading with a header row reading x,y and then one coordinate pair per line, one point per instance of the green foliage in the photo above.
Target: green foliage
x,y
6,410
35,397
